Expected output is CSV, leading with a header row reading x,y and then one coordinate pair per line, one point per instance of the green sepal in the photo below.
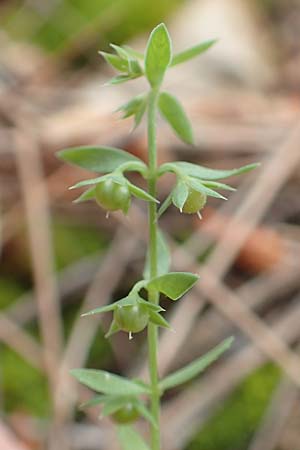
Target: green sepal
x,y
144,411
113,404
158,319
126,301
174,114
192,52
140,193
173,284
94,401
113,329
158,55
86,195
197,185
193,369
165,205
180,194
216,185
96,158
108,383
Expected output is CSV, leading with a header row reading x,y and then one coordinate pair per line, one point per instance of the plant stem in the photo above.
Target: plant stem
x,y
153,295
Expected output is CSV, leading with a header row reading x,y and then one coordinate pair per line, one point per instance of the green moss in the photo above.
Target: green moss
x,y
24,388
232,427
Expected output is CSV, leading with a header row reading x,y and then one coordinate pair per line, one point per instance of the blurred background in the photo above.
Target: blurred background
x,y
59,259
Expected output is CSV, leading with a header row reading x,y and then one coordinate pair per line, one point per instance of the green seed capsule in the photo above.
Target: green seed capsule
x,y
113,196
194,202
127,414
131,319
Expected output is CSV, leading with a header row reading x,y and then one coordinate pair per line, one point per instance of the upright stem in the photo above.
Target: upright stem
x,y
153,295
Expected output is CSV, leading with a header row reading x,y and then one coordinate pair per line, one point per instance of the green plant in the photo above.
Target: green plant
x,y
113,191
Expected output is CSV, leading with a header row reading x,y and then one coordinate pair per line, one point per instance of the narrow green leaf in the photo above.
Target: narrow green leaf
x,y
144,411
119,79
88,182
126,301
216,185
140,193
133,53
180,194
113,329
121,52
159,320
116,62
87,195
174,284
163,257
132,107
205,173
191,52
96,158
130,439
199,365
166,203
113,404
158,55
198,186
150,306
94,401
107,383
175,115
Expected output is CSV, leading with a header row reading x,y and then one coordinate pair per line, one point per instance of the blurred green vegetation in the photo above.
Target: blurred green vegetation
x,y
232,427
56,25
71,243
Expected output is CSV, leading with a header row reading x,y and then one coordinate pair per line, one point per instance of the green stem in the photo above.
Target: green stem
x,y
153,295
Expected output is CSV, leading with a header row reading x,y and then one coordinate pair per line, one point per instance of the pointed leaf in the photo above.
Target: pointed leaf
x,y
198,186
167,202
126,301
216,185
121,51
89,182
180,194
113,329
113,404
174,284
163,257
175,115
150,306
119,79
196,367
205,173
116,62
96,158
158,55
132,107
144,411
159,320
192,52
130,439
107,383
94,401
86,195
140,193
133,53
